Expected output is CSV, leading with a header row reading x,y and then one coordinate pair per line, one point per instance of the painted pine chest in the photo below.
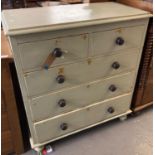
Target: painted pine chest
x,y
76,64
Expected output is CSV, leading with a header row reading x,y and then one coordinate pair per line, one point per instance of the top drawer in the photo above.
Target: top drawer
x,y
34,54
106,42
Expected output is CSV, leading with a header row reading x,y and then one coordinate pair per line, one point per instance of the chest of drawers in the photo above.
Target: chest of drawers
x,y
76,64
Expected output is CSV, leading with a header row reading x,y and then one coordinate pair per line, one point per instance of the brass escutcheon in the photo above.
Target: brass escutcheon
x,y
119,30
57,41
88,86
89,61
61,71
84,36
88,109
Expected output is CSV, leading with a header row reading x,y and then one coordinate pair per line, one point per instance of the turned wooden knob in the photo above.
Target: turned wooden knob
x,y
57,52
64,126
62,103
119,41
115,65
111,110
60,79
112,88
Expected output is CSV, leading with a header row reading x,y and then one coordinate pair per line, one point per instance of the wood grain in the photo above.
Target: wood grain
x,y
144,5
143,94
6,143
94,1
5,47
11,132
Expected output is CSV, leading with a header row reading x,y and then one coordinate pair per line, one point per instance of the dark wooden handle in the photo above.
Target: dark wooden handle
x,y
120,41
64,126
111,110
115,65
60,79
62,103
112,88
56,53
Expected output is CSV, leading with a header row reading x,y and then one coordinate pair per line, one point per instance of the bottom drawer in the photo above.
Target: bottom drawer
x,y
76,120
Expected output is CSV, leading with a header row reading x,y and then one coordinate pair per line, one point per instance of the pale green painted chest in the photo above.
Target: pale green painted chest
x,y
76,64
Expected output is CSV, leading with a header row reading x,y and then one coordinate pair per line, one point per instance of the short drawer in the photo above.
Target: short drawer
x,y
34,54
81,118
44,81
71,99
106,42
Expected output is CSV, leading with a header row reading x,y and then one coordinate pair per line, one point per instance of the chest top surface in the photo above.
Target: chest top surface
x,y
29,20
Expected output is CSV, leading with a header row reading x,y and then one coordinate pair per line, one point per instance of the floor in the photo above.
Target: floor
x,y
131,137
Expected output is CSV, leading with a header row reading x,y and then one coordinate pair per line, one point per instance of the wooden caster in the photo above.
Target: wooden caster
x,y
123,118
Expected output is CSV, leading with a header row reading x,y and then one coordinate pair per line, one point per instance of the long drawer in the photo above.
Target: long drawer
x,y
41,82
81,118
111,41
34,54
64,101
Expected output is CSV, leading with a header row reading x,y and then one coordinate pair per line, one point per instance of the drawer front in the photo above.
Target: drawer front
x,y
41,82
117,39
58,126
74,98
34,54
